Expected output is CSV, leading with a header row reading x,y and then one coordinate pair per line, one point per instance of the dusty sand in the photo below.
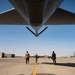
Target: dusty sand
x,y
17,66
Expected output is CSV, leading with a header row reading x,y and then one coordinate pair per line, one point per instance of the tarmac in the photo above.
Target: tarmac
x,y
17,66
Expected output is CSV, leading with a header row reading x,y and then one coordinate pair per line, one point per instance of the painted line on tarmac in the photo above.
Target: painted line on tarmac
x,y
34,70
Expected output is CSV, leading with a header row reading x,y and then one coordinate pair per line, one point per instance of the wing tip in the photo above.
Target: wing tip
x,y
7,10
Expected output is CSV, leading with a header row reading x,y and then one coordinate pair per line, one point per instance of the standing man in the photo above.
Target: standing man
x,y
54,57
27,56
36,58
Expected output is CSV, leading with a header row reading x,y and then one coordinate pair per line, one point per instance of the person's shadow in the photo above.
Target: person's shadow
x,y
61,64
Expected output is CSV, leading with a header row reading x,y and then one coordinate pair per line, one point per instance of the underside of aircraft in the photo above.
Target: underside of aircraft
x,y
37,13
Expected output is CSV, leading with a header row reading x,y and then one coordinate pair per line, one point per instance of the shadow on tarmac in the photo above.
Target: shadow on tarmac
x,y
45,74
61,64
21,74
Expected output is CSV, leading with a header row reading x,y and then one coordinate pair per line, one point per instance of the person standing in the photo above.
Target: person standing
x,y
27,56
54,57
36,58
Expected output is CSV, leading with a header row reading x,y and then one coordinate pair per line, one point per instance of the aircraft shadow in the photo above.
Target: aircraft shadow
x,y
44,74
61,64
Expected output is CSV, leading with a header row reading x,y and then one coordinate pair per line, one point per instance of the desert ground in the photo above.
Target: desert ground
x,y
17,66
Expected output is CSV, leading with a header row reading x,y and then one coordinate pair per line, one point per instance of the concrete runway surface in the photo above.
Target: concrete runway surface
x,y
17,66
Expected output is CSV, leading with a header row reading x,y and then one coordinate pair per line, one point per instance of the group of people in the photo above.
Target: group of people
x,y
27,57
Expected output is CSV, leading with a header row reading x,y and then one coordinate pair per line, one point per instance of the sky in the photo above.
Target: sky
x,y
17,39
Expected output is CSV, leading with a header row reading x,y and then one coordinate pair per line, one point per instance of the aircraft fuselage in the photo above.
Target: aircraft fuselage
x,y
36,12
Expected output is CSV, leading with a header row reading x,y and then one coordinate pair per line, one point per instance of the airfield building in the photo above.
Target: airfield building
x,y
2,55
9,55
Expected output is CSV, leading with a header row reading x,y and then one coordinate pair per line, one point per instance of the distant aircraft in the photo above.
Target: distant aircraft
x,y
37,13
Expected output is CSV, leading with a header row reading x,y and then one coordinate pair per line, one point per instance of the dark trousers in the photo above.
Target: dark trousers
x,y
54,61
36,60
27,60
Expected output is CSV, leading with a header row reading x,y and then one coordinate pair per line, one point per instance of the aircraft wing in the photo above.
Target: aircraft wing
x,y
12,17
61,16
